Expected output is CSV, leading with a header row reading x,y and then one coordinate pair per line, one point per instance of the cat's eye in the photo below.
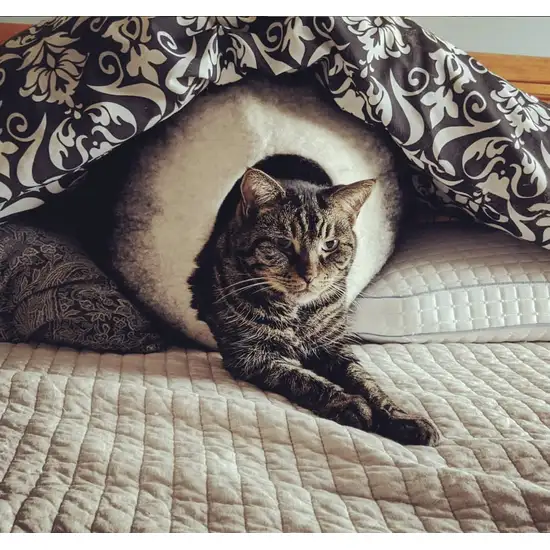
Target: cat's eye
x,y
331,245
284,244
268,253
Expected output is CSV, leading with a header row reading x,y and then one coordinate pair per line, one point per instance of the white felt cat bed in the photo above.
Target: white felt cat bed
x,y
204,153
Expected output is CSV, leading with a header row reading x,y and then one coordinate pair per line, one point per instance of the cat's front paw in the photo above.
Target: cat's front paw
x,y
351,410
409,429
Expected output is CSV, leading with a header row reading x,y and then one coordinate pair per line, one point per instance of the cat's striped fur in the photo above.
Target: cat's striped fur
x,y
271,285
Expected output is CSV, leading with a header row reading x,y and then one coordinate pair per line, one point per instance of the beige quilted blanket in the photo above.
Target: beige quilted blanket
x,y
169,442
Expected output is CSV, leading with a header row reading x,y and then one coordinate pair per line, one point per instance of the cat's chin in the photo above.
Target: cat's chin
x,y
305,298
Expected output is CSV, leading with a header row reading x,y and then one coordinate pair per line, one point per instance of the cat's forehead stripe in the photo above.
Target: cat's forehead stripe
x,y
307,221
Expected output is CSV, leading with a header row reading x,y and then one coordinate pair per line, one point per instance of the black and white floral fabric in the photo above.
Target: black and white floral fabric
x,y
73,88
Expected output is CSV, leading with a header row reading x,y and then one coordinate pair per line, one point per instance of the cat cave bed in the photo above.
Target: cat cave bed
x,y
224,132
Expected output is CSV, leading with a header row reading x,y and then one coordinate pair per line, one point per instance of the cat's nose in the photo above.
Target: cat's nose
x,y
307,270
309,275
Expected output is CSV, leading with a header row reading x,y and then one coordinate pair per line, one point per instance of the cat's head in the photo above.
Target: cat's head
x,y
297,237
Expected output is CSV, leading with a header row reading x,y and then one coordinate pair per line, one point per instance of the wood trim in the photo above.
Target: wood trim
x,y
531,74
7,30
542,91
516,68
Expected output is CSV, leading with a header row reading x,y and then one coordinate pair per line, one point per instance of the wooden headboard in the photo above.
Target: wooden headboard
x,y
531,74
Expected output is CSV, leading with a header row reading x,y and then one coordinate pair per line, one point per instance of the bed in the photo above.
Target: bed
x,y
169,441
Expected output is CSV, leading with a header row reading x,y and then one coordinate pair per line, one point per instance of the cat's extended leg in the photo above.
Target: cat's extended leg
x,y
389,420
289,378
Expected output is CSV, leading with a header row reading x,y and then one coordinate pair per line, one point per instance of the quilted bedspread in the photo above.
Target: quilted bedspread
x,y
170,442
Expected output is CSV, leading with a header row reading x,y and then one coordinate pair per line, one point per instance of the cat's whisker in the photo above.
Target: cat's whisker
x,y
340,288
245,285
228,295
263,284
245,281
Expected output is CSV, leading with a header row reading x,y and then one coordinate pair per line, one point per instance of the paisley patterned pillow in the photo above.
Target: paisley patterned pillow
x,y
51,292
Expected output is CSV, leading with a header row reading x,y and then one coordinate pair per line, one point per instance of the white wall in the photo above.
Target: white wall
x,y
512,35
22,19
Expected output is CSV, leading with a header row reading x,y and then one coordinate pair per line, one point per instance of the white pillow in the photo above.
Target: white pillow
x,y
458,283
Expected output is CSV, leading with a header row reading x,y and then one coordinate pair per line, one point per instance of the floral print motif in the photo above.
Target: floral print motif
x,y
143,61
129,32
442,103
6,148
381,37
524,112
53,70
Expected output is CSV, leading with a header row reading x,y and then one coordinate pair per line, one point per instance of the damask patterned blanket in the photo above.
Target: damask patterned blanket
x,y
170,442
74,88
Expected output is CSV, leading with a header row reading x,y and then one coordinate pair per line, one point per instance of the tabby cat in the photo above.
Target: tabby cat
x,y
265,267
271,286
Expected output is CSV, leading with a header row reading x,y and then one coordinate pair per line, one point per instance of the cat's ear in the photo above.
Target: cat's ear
x,y
351,197
258,190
